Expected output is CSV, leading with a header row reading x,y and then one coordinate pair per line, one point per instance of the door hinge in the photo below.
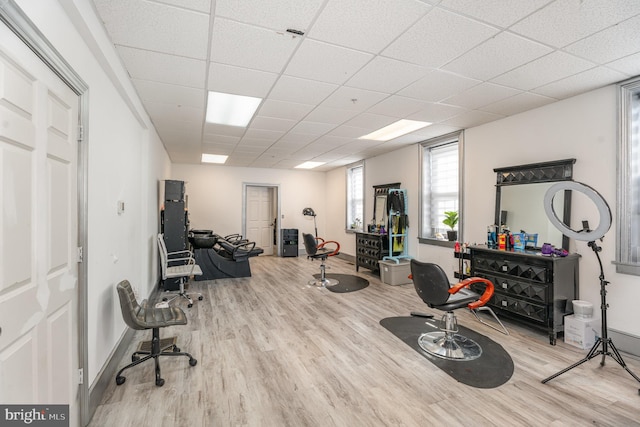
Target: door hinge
x,y
80,133
80,254
81,376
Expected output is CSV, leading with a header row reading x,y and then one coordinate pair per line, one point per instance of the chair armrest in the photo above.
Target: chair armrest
x,y
484,298
189,260
169,254
335,251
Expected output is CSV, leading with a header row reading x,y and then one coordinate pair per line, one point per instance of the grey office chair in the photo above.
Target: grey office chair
x,y
142,317
432,285
181,265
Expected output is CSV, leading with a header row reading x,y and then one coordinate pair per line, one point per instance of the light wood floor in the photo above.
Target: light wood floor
x,y
273,351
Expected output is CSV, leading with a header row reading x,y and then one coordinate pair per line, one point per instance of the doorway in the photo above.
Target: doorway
x,y
260,213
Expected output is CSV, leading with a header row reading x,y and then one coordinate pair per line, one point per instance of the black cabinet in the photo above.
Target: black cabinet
x,y
371,248
175,226
529,287
289,242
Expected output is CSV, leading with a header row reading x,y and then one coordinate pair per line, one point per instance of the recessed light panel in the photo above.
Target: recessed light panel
x,y
309,165
394,130
231,110
213,158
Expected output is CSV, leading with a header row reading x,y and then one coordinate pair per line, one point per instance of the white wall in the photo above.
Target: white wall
x,y
215,196
126,161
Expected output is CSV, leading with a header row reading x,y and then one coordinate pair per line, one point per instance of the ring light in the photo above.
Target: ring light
x,y
601,204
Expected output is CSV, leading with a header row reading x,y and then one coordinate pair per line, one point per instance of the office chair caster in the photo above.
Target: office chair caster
x,y
135,358
159,382
193,362
120,380
189,305
176,349
200,298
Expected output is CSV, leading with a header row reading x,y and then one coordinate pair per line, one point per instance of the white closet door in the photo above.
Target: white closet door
x,y
260,217
38,231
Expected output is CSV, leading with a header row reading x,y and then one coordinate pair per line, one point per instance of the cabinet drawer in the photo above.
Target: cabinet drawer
x,y
537,292
541,272
534,312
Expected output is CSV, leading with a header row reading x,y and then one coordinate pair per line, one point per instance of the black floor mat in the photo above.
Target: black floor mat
x,y
347,282
492,369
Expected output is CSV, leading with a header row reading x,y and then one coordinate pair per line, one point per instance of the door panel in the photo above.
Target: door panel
x,y
259,227
38,231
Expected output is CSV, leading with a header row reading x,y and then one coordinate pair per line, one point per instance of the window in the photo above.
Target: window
x,y
441,183
355,197
628,250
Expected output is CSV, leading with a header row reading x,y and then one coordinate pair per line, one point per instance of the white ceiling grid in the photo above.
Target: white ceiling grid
x,y
360,65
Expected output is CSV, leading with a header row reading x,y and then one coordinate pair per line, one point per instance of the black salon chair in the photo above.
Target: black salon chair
x,y
432,285
143,317
315,248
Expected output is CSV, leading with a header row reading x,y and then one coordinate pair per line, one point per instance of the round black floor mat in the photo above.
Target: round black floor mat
x,y
492,369
347,282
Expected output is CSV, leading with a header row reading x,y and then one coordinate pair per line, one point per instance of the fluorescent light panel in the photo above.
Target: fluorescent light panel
x,y
232,110
309,165
394,130
213,158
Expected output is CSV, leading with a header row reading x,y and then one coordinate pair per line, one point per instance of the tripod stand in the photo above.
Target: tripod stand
x,y
608,349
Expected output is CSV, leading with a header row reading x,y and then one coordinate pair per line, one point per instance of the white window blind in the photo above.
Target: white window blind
x,y
440,187
355,197
628,250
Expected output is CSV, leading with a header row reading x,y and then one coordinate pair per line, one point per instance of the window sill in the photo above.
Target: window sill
x,y
436,242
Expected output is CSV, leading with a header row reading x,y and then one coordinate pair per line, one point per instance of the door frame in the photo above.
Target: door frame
x,y
18,22
276,202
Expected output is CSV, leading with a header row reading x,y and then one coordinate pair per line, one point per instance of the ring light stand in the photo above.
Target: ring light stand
x,y
603,345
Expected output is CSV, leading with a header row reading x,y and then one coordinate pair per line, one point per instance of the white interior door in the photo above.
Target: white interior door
x,y
38,231
260,217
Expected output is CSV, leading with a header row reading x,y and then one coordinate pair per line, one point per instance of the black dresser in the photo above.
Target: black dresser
x,y
370,248
529,287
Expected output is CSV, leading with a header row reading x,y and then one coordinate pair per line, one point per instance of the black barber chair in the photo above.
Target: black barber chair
x,y
317,250
432,285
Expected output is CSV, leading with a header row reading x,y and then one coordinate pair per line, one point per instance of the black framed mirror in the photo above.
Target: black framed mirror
x,y
520,194
380,193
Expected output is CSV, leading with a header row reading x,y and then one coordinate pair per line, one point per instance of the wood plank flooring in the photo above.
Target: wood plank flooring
x,y
273,351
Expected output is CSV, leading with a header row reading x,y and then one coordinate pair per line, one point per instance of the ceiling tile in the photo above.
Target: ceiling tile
x,y
264,134
498,12
555,66
330,115
481,95
517,104
326,63
135,24
434,113
279,15
160,112
349,132
198,5
349,98
312,128
302,91
438,85
386,75
364,24
497,55
371,121
295,139
169,94
271,123
216,129
163,68
284,110
567,21
629,65
248,46
438,38
613,43
579,83
240,81
471,119
398,106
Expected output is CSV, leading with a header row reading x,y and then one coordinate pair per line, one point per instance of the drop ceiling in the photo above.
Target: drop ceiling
x,y
360,65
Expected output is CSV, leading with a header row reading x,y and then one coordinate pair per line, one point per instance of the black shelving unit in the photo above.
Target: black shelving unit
x,y
289,242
